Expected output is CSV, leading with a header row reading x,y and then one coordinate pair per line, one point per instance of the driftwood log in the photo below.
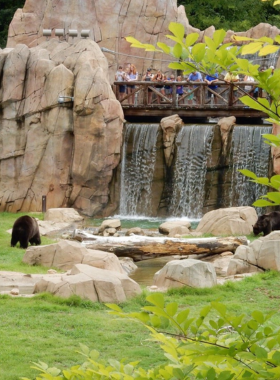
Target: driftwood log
x,y
143,248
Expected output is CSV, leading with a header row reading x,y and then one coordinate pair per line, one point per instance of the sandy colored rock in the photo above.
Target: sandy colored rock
x,y
188,272
48,148
135,231
228,221
170,125
64,254
110,223
97,285
178,231
262,254
63,215
166,227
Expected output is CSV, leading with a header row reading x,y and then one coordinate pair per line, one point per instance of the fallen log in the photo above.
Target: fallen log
x,y
143,247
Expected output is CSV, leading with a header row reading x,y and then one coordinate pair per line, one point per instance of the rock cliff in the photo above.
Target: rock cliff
x,y
66,151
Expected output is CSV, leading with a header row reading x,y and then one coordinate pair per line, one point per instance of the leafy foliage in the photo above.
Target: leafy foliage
x,y
234,15
7,11
215,344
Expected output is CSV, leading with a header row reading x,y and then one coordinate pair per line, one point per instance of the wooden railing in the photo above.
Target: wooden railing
x,y
195,94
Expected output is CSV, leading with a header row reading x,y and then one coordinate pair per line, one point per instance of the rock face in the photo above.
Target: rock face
x,y
189,272
61,215
65,254
67,151
107,22
97,285
232,221
262,254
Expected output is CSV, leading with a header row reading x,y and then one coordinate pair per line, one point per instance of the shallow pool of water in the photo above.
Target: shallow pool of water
x,y
138,221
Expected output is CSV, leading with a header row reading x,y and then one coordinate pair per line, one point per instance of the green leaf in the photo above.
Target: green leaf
x,y
191,39
276,358
198,52
251,48
155,321
252,103
177,29
182,316
211,374
248,173
275,181
274,197
253,325
177,51
262,181
210,43
113,307
128,369
262,203
268,49
156,299
175,66
172,308
220,308
261,353
218,36
164,47
205,311
258,316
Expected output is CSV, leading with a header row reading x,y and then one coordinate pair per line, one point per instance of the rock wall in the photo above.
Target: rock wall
x,y
68,151
109,22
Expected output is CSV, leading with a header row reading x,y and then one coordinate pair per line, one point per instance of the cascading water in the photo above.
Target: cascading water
x,y
199,180
137,171
248,152
193,149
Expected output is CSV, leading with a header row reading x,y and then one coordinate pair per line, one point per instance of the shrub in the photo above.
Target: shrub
x,y
213,345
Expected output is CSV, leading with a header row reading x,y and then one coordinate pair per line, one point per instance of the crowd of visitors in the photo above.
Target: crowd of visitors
x,y
161,89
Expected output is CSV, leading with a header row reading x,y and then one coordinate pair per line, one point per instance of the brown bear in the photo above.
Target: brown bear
x,y
267,223
25,229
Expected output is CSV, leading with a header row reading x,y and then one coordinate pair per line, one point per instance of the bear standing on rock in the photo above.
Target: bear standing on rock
x,y
25,229
267,223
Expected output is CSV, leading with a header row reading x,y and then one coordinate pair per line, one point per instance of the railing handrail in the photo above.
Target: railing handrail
x,y
147,93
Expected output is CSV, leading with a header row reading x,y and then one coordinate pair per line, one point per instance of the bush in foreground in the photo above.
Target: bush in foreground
x,y
214,344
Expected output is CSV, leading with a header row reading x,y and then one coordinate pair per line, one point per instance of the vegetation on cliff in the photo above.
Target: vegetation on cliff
x,y
230,15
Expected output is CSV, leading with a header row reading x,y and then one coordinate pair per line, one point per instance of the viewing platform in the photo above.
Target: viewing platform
x,y
149,101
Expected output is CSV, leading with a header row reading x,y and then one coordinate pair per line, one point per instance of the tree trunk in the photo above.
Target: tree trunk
x,y
143,248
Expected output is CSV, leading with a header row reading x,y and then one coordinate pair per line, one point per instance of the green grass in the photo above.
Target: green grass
x,y
49,328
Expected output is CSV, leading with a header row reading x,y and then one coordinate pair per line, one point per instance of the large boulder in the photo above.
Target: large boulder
x,y
60,215
262,254
228,221
65,254
188,272
94,284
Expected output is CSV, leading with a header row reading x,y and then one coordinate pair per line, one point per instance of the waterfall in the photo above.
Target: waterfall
x,y
193,149
248,152
137,169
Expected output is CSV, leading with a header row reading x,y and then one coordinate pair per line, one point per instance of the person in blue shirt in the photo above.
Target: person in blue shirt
x,y
195,76
211,80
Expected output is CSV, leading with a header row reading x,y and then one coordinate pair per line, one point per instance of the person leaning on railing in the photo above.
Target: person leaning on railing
x,y
195,76
120,76
148,78
159,77
229,78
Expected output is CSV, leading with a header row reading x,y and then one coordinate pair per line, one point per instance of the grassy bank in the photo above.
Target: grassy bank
x,y
50,329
